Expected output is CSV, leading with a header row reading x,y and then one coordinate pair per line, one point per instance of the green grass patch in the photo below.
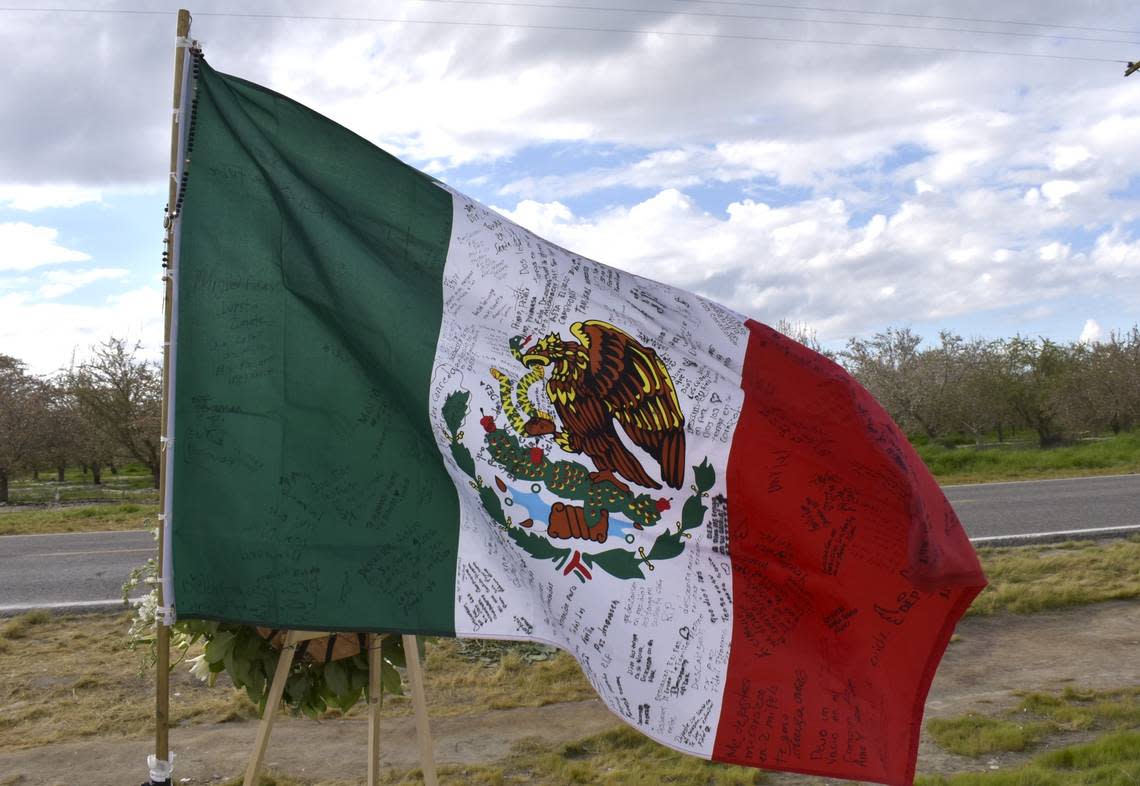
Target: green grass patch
x,y
132,483
974,735
1036,716
1077,710
78,518
1040,578
1116,455
1112,760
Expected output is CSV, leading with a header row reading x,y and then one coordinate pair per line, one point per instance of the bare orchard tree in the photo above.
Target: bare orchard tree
x,y
1113,381
907,381
1040,369
977,399
57,428
121,395
18,402
805,334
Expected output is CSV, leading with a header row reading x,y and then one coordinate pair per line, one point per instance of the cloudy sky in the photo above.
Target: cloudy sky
x,y
837,165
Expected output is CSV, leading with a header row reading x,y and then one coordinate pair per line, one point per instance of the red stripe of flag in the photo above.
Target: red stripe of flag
x,y
850,571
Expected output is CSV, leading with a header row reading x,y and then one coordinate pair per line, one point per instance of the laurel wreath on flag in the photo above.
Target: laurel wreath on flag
x,y
508,453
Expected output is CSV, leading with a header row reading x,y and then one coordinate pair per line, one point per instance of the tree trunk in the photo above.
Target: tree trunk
x,y
59,471
114,469
4,486
36,475
97,473
154,475
1000,432
84,467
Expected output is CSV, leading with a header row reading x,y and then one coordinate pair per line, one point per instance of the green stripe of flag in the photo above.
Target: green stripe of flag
x,y
308,489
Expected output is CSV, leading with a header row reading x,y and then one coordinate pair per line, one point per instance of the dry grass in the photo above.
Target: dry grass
x,y
621,757
64,678
72,677
456,684
1039,578
78,518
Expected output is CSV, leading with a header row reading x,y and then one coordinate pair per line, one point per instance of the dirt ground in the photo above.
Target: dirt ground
x,y
1095,647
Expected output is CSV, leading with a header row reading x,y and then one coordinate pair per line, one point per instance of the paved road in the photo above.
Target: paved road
x,y
994,511
71,570
75,571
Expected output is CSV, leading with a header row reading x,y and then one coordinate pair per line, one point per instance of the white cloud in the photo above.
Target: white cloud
x,y
63,282
1066,157
809,262
1090,333
1055,191
39,197
24,246
46,334
930,184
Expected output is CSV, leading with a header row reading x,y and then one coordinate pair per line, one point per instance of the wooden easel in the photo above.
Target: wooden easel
x,y
419,702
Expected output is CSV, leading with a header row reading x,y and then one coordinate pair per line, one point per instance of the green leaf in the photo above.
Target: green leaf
x,y
390,680
255,687
493,505
297,687
693,513
254,695
619,563
462,457
536,545
346,701
667,546
705,476
237,668
336,678
249,645
455,410
358,675
218,647
394,651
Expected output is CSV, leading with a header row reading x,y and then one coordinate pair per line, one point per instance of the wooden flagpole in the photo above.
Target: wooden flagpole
x,y
375,696
162,667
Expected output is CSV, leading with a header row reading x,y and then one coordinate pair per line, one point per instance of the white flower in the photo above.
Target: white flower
x,y
200,668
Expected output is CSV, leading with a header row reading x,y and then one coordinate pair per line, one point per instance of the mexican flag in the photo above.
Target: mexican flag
x,y
396,410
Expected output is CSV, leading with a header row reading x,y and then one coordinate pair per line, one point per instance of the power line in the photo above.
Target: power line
x,y
576,29
672,33
765,18
784,7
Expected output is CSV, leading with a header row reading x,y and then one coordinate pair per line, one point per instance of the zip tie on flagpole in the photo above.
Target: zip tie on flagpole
x,y
161,517
183,41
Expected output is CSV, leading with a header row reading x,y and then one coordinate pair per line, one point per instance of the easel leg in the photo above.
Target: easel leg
x,y
419,702
375,688
272,703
